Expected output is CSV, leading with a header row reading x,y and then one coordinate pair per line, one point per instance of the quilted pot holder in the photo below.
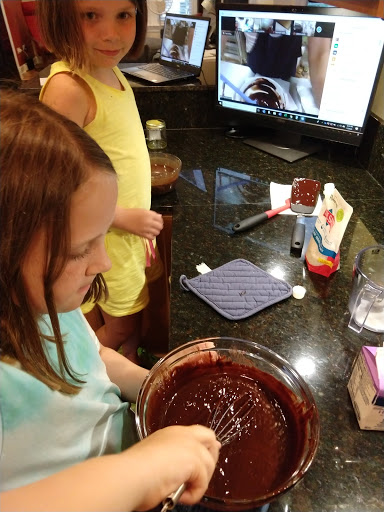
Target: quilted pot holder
x,y
237,289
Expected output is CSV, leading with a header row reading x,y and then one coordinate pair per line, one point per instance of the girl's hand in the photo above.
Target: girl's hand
x,y
137,479
141,222
170,457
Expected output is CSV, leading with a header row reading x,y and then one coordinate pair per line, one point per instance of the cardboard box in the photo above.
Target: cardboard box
x,y
366,388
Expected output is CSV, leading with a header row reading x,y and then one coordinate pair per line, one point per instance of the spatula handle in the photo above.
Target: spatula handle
x,y
250,222
298,236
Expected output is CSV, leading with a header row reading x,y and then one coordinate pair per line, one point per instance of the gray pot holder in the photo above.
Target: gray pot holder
x,y
237,289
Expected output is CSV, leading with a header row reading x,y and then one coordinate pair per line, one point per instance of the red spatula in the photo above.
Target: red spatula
x,y
250,222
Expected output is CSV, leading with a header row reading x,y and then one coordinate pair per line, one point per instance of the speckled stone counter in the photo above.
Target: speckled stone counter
x,y
224,180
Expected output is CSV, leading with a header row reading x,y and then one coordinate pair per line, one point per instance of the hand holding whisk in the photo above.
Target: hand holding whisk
x,y
227,420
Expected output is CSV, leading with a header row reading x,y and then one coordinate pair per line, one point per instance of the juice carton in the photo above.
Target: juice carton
x,y
366,388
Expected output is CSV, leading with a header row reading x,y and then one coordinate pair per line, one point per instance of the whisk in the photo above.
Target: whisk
x,y
236,417
227,426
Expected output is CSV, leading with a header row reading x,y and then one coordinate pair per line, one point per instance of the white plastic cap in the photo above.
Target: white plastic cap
x,y
298,292
329,188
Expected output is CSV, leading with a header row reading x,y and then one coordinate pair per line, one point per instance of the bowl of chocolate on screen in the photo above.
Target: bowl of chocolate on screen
x,y
273,439
264,92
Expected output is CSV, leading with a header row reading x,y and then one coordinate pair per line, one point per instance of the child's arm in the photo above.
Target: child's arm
x,y
70,96
318,55
125,374
141,222
137,479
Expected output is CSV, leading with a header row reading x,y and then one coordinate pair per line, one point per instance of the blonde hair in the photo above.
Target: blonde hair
x,y
44,158
61,30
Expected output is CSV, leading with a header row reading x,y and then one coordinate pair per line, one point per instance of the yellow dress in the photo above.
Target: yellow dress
x,y
118,130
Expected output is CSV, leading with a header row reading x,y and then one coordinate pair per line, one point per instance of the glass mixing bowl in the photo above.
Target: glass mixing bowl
x,y
165,170
191,359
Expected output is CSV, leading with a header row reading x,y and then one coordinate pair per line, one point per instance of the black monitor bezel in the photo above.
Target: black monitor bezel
x,y
248,121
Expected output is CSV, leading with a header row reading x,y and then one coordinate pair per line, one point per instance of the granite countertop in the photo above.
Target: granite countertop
x,y
224,180
33,84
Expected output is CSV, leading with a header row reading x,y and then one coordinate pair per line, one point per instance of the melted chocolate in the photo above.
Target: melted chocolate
x,y
264,93
266,453
305,192
174,52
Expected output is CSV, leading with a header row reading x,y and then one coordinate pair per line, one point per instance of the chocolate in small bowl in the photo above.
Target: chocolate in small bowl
x,y
277,446
165,170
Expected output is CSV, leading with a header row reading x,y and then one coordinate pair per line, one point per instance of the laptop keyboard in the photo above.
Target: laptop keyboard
x,y
163,70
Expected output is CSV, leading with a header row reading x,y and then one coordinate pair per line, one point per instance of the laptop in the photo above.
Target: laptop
x,y
181,53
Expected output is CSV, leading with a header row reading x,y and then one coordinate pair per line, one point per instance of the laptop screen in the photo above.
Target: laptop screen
x,y
184,40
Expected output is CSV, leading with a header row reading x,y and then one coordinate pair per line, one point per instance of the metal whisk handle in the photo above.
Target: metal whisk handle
x,y
171,501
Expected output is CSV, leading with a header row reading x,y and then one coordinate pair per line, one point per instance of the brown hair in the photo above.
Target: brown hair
x,y
60,27
44,158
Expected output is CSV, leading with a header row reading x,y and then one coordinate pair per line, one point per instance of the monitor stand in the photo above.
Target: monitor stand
x,y
288,146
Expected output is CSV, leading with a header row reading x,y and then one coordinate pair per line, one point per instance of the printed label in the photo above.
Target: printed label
x,y
154,134
325,262
330,218
339,215
319,242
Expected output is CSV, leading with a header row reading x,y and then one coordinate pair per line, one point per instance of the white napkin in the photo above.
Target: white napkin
x,y
279,193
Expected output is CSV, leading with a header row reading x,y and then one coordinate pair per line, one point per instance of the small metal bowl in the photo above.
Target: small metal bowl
x,y
165,170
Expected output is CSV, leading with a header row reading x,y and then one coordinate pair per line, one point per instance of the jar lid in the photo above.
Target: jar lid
x,y
155,123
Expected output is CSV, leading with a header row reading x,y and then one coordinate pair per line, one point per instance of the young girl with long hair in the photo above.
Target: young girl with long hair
x,y
90,37
66,431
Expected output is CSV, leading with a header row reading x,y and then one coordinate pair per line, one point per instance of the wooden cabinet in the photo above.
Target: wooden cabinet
x,y
371,7
156,316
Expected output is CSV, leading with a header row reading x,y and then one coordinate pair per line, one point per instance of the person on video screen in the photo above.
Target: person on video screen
x,y
180,33
275,55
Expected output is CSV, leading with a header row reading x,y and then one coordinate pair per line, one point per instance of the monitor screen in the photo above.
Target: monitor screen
x,y
306,70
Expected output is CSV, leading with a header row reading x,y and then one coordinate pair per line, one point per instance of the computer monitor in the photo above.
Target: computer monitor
x,y
307,71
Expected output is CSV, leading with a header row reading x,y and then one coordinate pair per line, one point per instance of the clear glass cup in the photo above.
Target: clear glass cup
x,y
366,302
156,134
